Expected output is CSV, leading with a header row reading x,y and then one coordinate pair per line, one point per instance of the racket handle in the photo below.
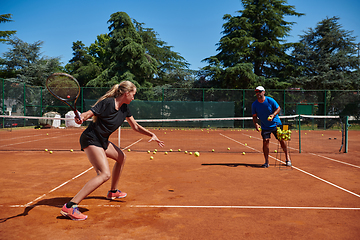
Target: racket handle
x,y
77,115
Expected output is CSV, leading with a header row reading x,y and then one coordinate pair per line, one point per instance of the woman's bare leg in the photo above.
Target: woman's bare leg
x,y
115,153
97,158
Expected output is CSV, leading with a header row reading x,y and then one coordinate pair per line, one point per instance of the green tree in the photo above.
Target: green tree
x,y
326,58
99,50
24,63
170,63
82,66
4,35
128,59
252,51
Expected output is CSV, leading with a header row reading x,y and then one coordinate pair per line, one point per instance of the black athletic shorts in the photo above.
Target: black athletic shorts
x,y
88,138
266,134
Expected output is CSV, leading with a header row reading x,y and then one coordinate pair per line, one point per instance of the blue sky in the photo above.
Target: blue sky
x,y
191,27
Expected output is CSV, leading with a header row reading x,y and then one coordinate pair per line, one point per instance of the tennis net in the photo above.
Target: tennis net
x,y
224,135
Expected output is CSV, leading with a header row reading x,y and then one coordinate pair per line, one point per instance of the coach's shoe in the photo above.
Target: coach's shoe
x,y
265,165
117,194
288,163
73,213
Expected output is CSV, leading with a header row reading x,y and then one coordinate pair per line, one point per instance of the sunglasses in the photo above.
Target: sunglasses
x,y
258,91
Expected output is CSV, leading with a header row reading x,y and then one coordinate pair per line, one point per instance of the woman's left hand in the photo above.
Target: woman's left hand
x,y
155,138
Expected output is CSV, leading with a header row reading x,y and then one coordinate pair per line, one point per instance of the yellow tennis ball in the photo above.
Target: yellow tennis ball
x,y
179,150
250,137
170,150
185,152
154,152
151,158
71,150
245,144
275,151
51,152
149,151
166,153
228,148
129,150
269,118
190,153
197,154
243,153
213,150
46,150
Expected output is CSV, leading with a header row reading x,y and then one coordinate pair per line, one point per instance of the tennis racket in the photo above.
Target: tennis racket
x,y
65,88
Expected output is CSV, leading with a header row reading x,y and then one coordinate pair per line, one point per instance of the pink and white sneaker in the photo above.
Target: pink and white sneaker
x,y
117,194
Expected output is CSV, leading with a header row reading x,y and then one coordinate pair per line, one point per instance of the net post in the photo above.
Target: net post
x,y
346,134
299,117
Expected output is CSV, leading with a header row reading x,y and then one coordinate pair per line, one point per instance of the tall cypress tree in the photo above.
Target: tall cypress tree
x,y
327,58
252,47
128,59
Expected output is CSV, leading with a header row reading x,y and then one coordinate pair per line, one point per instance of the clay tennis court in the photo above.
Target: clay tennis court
x,y
219,195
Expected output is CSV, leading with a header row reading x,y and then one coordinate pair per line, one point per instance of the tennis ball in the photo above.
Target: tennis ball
x,y
51,152
190,153
269,118
166,153
148,151
245,144
213,150
228,148
197,154
243,153
151,158
46,149
250,137
179,150
47,134
170,150
129,150
185,152
71,150
154,152
275,151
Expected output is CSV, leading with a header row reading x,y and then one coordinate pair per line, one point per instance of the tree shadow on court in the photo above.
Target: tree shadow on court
x,y
234,164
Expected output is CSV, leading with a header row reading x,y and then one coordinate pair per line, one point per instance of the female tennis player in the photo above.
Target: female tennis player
x,y
108,113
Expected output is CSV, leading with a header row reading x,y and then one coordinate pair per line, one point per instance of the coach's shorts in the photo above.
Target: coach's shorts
x,y
266,134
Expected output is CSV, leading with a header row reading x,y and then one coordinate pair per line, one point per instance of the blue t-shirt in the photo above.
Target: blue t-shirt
x,y
263,110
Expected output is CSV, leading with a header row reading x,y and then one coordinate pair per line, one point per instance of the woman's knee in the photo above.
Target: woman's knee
x,y
105,176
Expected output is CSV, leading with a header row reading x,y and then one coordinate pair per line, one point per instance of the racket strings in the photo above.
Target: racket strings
x,y
63,87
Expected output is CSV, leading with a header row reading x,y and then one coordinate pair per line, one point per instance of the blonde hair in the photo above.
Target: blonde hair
x,y
116,91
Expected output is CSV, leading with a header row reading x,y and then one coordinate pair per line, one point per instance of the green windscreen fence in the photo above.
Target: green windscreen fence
x,y
180,110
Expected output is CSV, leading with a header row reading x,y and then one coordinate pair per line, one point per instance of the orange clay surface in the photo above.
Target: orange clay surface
x,y
218,195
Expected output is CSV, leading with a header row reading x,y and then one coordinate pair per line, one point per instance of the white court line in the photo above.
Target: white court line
x,y
29,203
243,207
47,138
54,189
206,207
312,175
335,160
331,159
132,144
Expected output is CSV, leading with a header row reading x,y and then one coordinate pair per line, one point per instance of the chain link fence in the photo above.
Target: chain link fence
x,y
172,103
